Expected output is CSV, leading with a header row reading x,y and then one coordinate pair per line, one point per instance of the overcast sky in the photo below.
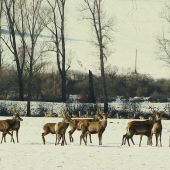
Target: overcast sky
x,y
137,25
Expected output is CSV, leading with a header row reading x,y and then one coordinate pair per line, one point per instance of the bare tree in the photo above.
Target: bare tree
x,y
163,40
57,29
9,11
102,29
111,71
31,26
0,37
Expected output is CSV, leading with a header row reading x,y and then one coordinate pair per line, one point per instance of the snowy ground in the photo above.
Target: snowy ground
x,y
30,153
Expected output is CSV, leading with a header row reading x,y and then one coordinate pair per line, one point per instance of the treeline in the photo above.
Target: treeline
x,y
47,86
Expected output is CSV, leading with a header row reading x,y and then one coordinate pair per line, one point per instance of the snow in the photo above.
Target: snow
x,y
30,153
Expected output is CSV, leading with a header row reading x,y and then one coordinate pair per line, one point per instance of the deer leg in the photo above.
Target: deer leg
x,y
65,142
70,135
12,135
86,138
63,139
132,140
124,140
128,141
82,137
56,139
59,138
17,136
156,135
140,141
160,140
90,138
100,139
44,134
149,141
4,133
4,137
83,134
71,139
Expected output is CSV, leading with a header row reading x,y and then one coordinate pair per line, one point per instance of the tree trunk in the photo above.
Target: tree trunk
x,y
103,84
63,88
91,91
29,97
21,88
0,49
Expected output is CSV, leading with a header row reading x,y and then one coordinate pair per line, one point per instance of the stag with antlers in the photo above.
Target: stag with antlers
x,y
16,125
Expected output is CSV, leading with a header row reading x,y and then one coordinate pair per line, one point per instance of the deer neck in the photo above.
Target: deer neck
x,y
63,121
13,121
158,121
96,118
104,123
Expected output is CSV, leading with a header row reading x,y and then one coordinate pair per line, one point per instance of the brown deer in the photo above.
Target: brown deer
x,y
60,128
75,125
93,128
141,117
147,128
16,127
157,128
74,115
60,114
49,115
9,125
138,128
52,127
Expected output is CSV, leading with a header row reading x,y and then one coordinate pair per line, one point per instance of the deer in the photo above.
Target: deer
x,y
60,129
141,117
9,125
75,125
74,115
49,115
16,127
147,128
157,128
94,128
60,114
50,127
138,128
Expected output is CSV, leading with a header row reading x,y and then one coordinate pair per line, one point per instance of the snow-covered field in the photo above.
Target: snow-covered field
x,y
30,153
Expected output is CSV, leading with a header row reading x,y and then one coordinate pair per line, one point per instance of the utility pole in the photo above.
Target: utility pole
x,y
136,63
